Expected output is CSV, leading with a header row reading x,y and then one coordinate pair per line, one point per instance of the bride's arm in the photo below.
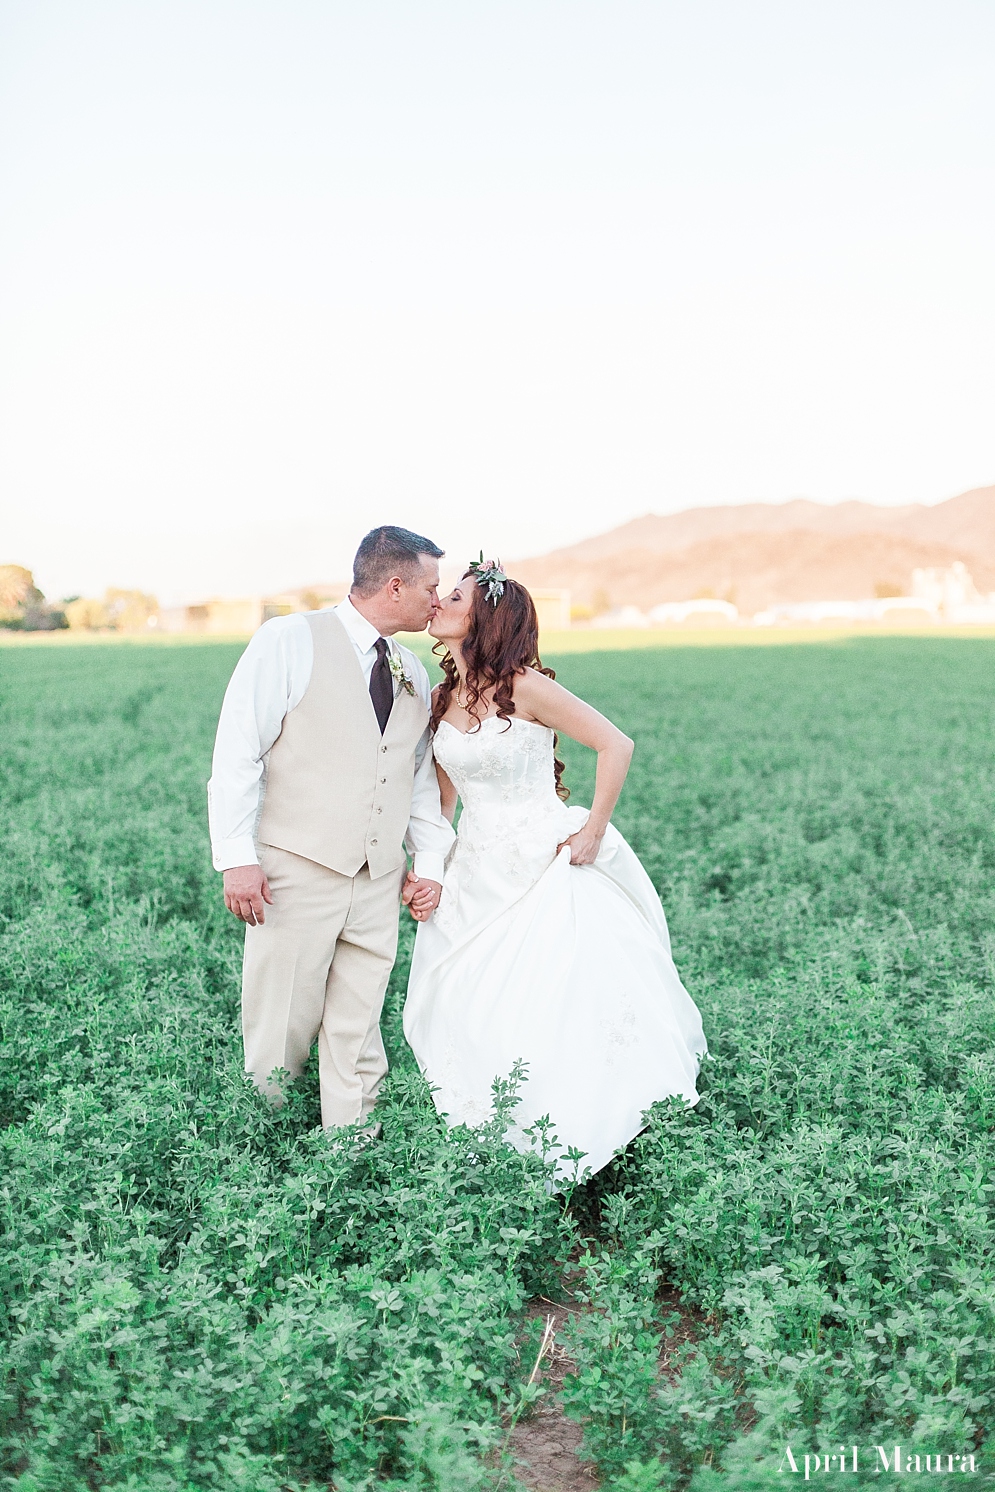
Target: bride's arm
x,y
550,704
447,794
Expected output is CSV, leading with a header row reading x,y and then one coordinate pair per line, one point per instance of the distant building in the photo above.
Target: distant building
x,y
552,608
622,616
939,595
224,616
953,592
946,587
704,611
874,609
217,616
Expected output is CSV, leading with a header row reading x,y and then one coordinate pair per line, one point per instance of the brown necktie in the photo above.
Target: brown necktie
x,y
382,685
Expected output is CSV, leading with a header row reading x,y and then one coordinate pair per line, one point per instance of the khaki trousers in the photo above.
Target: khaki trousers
x,y
319,966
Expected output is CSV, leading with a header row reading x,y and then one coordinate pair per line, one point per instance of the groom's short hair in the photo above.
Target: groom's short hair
x,y
388,551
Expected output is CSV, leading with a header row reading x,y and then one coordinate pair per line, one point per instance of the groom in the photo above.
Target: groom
x,y
323,774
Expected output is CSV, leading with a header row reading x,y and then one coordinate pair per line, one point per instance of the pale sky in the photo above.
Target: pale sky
x,y
507,273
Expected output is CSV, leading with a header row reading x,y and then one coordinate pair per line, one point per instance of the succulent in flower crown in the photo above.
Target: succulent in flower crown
x,y
489,576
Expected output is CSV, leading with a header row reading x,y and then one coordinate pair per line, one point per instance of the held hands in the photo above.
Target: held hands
x,y
583,846
246,888
421,897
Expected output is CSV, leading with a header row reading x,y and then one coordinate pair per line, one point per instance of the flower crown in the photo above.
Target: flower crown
x,y
490,577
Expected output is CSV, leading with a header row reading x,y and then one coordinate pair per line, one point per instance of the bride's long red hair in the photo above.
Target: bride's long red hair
x,y
501,641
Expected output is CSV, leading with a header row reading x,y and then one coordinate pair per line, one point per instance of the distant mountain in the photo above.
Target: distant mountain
x,y
762,554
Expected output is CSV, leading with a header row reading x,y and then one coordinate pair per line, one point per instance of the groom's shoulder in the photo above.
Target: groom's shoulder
x,y
273,638
277,629
274,625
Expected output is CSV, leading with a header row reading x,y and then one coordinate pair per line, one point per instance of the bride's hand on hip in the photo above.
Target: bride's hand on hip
x,y
583,846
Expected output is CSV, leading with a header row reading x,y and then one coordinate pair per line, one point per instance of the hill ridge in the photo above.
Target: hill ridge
x,y
765,554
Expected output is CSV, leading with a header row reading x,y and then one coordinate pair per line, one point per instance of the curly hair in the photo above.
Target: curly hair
x,y
501,641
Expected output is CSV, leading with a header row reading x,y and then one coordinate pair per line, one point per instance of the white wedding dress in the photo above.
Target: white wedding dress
x,y
528,956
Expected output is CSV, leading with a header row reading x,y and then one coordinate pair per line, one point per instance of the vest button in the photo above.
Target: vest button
x,y
372,841
383,748
379,810
383,779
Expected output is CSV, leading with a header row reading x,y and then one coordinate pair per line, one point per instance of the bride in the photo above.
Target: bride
x,y
550,944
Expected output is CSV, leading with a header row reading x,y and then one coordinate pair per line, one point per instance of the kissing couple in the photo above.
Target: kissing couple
x,y
540,938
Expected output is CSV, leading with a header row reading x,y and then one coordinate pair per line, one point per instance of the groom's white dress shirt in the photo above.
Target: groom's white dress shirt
x,y
269,681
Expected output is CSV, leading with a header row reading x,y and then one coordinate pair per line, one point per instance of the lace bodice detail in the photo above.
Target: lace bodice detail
x,y
505,777
504,762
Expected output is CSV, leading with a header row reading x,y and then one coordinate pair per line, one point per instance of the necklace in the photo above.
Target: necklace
x,y
459,703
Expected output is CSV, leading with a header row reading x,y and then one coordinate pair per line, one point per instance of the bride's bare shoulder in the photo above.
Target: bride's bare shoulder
x,y
533,691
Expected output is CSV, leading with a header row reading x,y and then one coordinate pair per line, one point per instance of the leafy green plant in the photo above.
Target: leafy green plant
x,y
820,824
199,1293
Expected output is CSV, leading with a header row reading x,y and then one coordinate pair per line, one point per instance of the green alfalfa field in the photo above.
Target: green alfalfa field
x,y
198,1293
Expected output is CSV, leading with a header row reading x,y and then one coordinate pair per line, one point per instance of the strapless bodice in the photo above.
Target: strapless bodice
x,y
504,763
504,774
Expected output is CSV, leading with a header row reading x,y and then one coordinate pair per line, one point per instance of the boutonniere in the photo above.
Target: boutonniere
x,y
396,665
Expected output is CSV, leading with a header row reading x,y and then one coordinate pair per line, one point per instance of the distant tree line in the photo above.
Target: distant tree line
x,y
23,608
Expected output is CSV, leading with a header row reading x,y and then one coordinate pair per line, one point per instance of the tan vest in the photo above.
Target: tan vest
x,y
338,792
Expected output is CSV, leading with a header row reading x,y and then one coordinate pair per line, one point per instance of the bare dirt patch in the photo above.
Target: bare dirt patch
x,y
690,1328
546,1447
